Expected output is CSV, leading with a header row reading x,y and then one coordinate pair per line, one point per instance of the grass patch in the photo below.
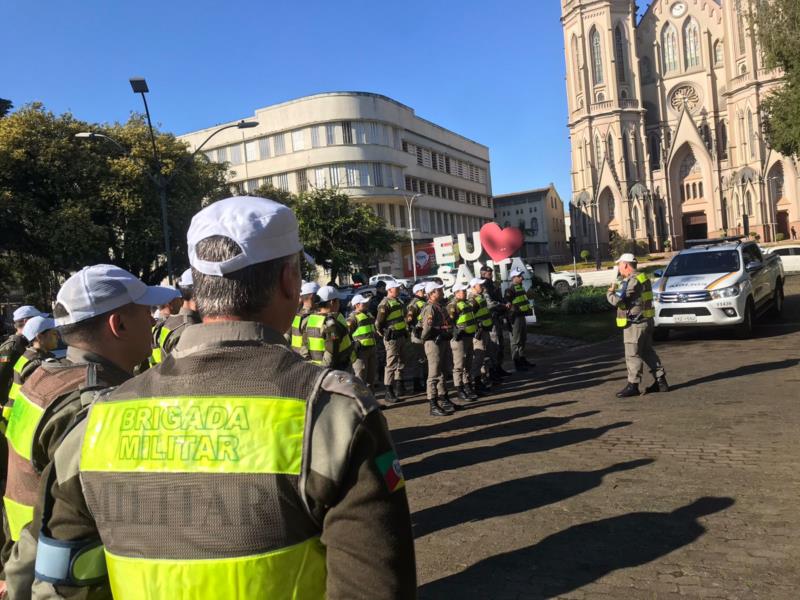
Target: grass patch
x,y
593,327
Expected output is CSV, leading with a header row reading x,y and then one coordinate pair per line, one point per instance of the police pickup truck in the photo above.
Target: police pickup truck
x,y
726,282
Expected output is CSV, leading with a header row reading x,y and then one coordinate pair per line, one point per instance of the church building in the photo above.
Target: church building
x,y
664,118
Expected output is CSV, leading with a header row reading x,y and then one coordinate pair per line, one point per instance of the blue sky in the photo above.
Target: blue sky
x,y
492,71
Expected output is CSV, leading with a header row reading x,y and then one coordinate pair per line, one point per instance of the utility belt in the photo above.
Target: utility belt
x,y
394,334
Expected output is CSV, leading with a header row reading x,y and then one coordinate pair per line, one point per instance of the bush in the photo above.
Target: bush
x,y
543,293
585,255
620,245
779,237
585,300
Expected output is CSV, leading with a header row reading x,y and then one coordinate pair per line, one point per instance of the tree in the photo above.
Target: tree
x,y
776,24
66,203
585,255
273,193
5,107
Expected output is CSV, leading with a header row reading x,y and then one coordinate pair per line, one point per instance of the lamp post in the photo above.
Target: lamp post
x,y
409,205
161,182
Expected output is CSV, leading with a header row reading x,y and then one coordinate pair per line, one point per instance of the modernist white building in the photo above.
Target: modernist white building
x,y
366,145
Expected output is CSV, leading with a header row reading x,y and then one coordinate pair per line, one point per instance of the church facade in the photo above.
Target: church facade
x,y
664,120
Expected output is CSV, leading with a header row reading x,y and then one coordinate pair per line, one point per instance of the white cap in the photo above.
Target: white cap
x,y
418,287
359,299
390,285
27,312
476,281
627,257
186,279
309,287
432,285
37,325
328,292
263,229
516,273
459,287
98,289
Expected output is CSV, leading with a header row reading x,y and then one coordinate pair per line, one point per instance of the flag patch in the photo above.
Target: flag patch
x,y
389,466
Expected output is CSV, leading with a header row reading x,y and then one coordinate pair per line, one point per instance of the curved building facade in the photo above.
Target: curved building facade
x,y
366,145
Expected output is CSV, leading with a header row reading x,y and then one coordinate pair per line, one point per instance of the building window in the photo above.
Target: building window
x,y
597,57
222,155
691,43
751,133
347,132
610,209
619,54
646,69
610,150
655,152
626,157
365,174
298,140
740,26
360,133
598,152
419,155
534,226
670,44
334,176
315,137
722,138
576,65
718,50
749,203
402,211
378,168
278,142
380,209
353,175
236,154
251,185
302,180
635,219
282,181
330,134
321,177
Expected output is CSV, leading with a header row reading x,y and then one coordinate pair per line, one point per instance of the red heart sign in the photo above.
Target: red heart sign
x,y
500,243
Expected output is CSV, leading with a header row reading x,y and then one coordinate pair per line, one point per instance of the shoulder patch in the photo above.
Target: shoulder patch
x,y
344,384
389,466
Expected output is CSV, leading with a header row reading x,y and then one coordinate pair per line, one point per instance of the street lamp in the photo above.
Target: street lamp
x,y
409,205
161,182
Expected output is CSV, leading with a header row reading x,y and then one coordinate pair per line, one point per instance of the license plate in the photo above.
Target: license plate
x,y
686,318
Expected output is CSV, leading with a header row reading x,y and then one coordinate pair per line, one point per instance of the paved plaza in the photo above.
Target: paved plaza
x,y
554,488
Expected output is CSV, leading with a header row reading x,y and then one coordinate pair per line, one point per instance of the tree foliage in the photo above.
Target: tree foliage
x,y
777,23
339,233
5,107
66,202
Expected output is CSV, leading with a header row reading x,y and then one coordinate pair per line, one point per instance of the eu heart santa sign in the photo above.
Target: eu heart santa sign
x,y
500,243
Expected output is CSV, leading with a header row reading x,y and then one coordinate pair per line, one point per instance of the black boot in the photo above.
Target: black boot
x,y
436,410
502,372
659,385
447,406
495,375
519,365
462,394
399,391
418,385
528,364
389,396
450,401
630,390
483,386
471,394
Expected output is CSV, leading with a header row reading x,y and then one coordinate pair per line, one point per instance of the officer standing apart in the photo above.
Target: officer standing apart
x,y
416,349
103,314
390,323
497,308
13,347
307,304
465,328
635,313
518,309
481,367
437,331
167,333
297,462
362,329
338,345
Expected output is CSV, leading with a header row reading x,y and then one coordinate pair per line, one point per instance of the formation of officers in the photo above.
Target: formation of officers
x,y
424,339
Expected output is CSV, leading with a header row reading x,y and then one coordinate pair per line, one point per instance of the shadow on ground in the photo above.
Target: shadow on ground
x,y
577,556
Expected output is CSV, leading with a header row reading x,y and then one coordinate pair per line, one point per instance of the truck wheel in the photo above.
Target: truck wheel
x,y
661,334
745,329
777,300
562,288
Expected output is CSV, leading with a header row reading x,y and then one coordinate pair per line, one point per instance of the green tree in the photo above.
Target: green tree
x,y
585,255
273,193
66,203
5,107
777,23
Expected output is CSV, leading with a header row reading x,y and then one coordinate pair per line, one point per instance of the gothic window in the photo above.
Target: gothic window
x,y
597,57
670,44
655,152
751,134
748,203
635,219
619,54
601,97
705,133
718,49
740,27
610,208
576,65
598,152
724,212
689,166
722,138
626,159
646,69
610,151
691,43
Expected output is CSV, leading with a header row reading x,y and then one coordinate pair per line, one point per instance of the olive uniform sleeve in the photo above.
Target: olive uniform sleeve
x,y
380,318
333,337
428,322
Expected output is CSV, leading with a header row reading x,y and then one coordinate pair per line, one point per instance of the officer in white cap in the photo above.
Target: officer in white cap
x,y
167,332
390,323
103,314
308,302
635,315
12,348
328,325
416,351
465,327
519,308
41,331
296,458
437,331
361,325
480,370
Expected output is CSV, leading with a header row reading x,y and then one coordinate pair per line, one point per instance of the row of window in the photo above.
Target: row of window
x,y
446,164
436,222
349,175
445,192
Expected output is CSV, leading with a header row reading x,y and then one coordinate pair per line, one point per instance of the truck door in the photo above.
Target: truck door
x,y
759,278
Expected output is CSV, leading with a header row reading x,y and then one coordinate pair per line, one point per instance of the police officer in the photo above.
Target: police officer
x,y
245,471
480,370
416,349
362,329
308,301
167,333
103,313
635,312
518,309
497,308
339,352
437,331
465,328
13,347
390,324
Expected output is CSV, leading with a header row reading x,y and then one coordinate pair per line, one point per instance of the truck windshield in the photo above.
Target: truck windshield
x,y
703,263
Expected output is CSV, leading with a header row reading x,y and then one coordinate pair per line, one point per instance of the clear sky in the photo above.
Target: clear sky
x,y
492,71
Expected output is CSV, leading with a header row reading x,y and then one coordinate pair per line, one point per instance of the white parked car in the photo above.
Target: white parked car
x,y
386,277
790,256
718,283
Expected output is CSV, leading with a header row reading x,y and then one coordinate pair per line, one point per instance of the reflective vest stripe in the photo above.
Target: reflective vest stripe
x,y
648,310
314,340
521,299
365,332
298,571
20,364
163,335
297,337
22,424
15,387
482,314
216,434
18,515
466,319
395,319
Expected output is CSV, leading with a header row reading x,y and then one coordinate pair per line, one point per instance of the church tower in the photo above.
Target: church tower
x,y
605,119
